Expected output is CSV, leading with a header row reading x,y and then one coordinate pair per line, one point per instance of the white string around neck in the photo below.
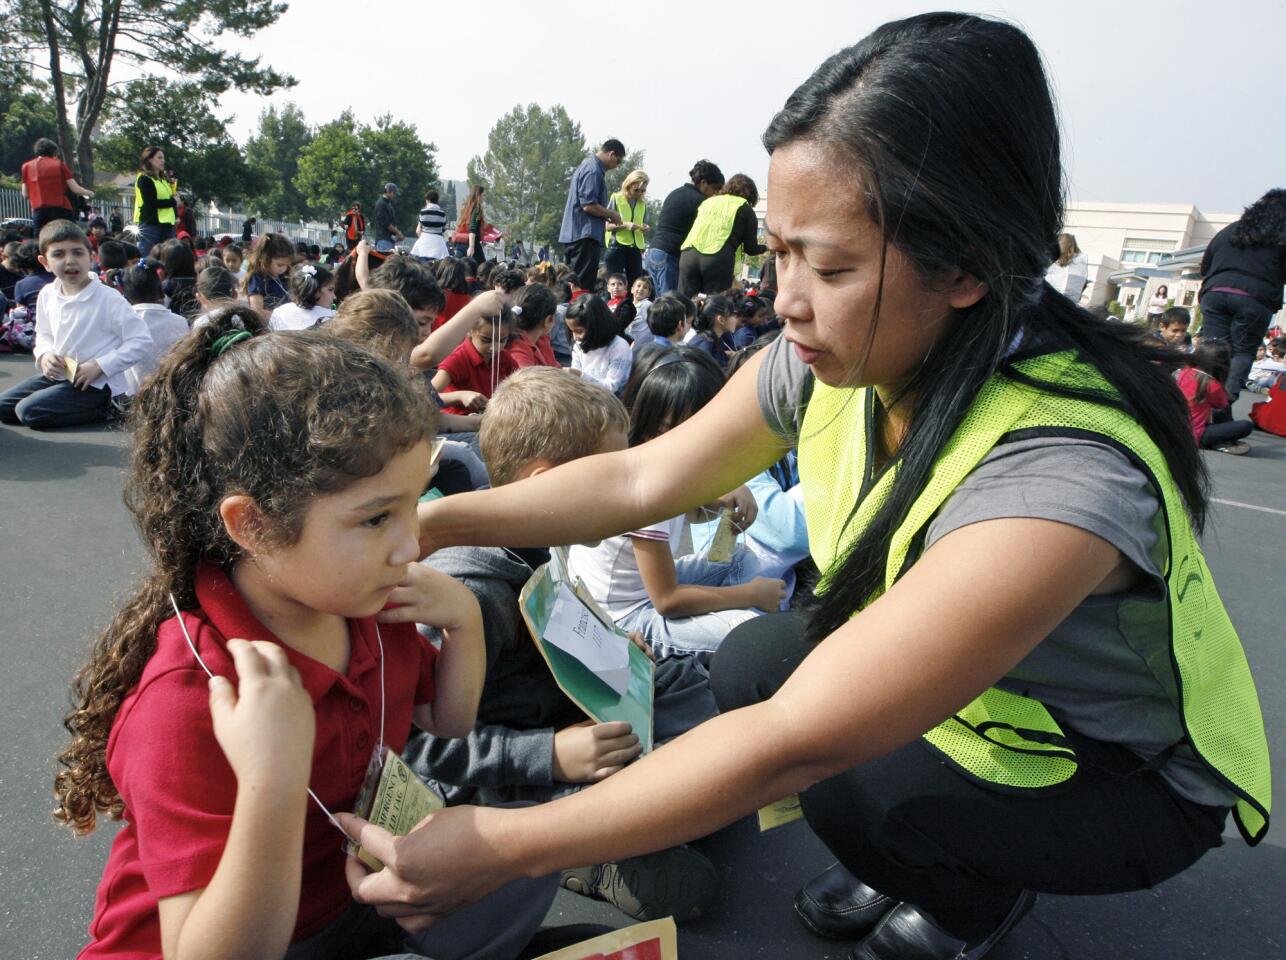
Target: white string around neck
x,y
379,744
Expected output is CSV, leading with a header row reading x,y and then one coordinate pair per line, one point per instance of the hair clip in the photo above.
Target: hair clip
x,y
516,310
308,270
220,346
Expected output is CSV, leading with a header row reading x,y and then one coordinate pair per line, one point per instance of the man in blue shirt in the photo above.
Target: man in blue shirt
x,y
587,211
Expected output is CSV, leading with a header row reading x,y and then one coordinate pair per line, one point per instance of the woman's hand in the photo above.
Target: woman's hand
x,y
265,725
588,752
449,861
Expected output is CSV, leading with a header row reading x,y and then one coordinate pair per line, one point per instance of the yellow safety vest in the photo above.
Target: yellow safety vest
x,y
713,225
1002,738
163,192
629,214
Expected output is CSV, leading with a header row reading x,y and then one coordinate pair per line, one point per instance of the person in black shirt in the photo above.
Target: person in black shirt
x,y
661,259
386,231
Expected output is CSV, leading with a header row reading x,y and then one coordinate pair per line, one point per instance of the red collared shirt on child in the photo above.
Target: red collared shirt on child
x,y
179,791
469,370
522,352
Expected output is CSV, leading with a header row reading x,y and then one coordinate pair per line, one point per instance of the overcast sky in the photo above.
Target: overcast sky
x,y
1181,102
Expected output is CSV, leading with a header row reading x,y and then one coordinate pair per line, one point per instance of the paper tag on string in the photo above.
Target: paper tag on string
x,y
392,797
725,538
778,814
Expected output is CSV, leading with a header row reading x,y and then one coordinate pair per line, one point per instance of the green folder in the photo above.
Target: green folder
x,y
599,701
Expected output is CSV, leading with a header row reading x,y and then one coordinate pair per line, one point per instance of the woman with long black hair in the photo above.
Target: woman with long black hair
x,y
1019,677
156,206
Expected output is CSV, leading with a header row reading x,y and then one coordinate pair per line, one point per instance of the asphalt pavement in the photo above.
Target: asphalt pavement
x,y
68,553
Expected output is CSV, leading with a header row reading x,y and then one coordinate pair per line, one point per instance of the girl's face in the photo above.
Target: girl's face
x,y
326,297
490,339
355,544
279,266
577,330
828,273
641,290
232,261
615,288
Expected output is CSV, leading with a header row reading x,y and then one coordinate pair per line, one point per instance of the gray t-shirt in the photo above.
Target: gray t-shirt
x,y
1105,671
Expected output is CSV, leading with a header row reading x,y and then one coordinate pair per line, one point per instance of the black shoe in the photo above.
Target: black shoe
x,y
679,882
837,905
907,934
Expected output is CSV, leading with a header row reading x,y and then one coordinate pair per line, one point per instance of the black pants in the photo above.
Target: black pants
x,y
913,828
582,257
706,273
625,260
43,216
1241,322
1217,434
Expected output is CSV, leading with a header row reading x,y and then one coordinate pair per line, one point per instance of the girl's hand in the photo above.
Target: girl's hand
x,y
768,593
490,302
265,725
430,597
589,752
742,503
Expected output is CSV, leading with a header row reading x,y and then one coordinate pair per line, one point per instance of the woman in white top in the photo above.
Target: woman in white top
x,y
1070,272
598,354
1157,305
430,243
312,292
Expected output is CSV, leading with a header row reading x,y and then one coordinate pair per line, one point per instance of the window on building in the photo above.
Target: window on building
x,y
1129,299
1142,250
1189,297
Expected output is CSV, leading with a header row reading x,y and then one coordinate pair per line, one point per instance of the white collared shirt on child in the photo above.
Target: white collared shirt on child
x,y
97,323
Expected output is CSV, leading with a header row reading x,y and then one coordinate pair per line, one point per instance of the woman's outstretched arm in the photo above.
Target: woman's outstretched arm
x,y
721,447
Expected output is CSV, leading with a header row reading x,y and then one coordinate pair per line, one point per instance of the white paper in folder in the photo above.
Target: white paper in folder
x,y
575,630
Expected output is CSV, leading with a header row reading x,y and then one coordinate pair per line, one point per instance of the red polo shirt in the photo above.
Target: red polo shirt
x,y
469,371
523,353
177,786
46,179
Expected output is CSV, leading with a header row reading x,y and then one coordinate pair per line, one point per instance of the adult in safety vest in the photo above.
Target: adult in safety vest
x,y
1019,677
626,240
155,200
725,228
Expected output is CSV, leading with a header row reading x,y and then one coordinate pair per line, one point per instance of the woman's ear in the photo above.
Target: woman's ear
x,y
243,520
964,290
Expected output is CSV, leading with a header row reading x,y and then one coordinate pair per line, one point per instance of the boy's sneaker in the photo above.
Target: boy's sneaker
x,y
1237,449
679,882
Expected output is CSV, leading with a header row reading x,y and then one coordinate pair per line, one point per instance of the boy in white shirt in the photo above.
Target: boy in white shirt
x,y
87,337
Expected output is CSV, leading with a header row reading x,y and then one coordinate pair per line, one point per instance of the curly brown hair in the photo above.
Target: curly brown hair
x,y
281,417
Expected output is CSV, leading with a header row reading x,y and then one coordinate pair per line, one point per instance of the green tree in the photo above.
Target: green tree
x,y
178,36
179,117
26,115
450,206
348,161
531,153
273,153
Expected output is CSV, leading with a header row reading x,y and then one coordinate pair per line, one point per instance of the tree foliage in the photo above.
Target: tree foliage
x,y
26,115
531,153
80,42
349,161
179,117
273,154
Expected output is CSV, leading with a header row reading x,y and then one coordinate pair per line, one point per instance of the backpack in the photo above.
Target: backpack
x,y
17,331
1270,415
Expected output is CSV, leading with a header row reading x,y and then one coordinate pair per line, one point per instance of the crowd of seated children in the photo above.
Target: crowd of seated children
x,y
141,285
599,355
312,292
531,743
680,602
1269,365
1202,385
86,337
263,286
535,312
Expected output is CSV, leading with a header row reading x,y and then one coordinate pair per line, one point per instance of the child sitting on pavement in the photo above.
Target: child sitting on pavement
x,y
531,743
87,337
